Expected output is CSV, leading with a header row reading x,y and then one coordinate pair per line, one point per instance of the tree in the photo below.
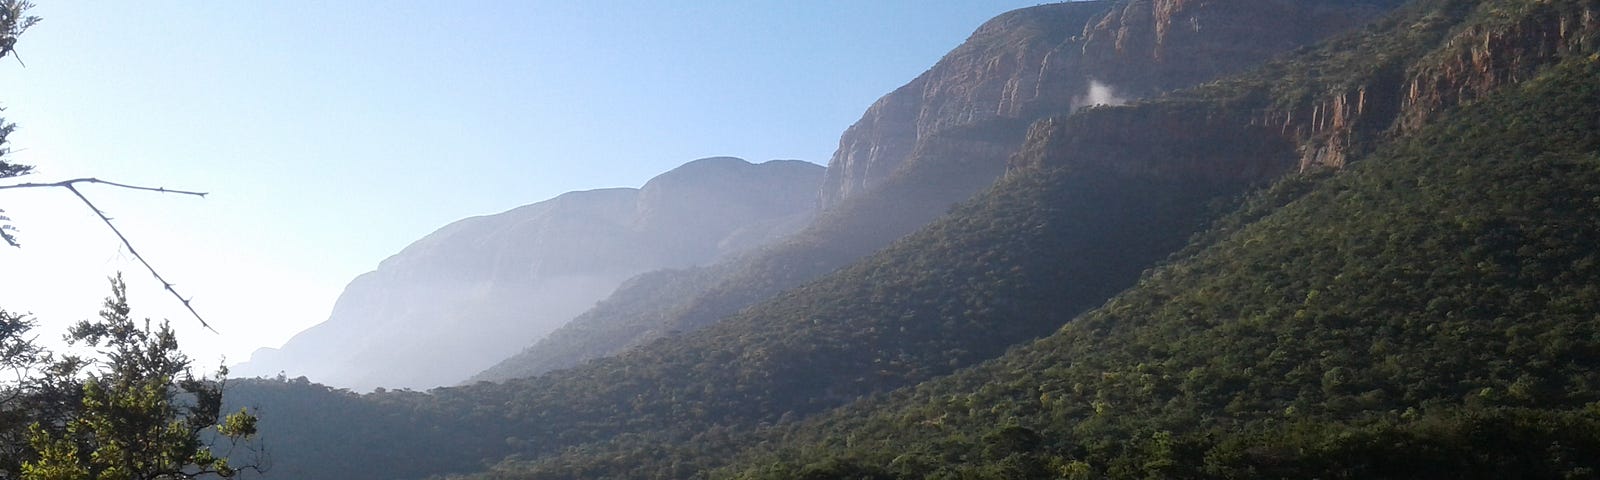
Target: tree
x,y
13,21
143,414
22,390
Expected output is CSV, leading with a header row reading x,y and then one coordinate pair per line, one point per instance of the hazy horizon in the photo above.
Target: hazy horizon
x,y
332,136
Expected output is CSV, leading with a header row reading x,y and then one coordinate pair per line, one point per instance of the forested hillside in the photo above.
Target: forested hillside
x,y
957,293
948,134
1428,313
634,314
1371,258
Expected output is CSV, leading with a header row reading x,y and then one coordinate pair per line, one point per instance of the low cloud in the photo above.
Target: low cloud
x,y
1098,94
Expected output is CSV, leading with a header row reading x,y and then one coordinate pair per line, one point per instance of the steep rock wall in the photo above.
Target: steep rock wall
x,y
1003,70
1045,61
1489,48
948,134
1507,48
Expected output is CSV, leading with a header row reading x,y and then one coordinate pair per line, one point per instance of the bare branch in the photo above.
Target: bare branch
x,y
68,183
71,185
164,283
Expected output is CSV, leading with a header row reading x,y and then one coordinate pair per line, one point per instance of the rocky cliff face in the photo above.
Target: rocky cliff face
x,y
1232,133
1149,46
995,73
1506,49
1449,59
1197,145
952,131
1366,89
949,133
1053,59
478,290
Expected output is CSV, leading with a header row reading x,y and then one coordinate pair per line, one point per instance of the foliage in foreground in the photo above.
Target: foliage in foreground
x,y
141,414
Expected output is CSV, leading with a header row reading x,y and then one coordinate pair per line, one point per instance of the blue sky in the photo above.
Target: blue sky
x,y
332,134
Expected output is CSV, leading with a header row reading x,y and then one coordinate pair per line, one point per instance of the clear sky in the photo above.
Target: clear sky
x,y
333,134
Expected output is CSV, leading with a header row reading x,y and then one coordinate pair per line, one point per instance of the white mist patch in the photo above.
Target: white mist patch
x,y
1098,94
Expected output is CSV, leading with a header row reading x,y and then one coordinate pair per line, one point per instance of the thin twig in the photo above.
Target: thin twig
x,y
71,185
164,283
65,183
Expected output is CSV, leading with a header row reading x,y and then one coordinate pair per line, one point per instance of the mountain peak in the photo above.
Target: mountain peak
x,y
479,289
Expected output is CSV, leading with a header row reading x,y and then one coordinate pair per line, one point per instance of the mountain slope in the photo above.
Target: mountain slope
x,y
957,293
1430,313
477,290
949,133
628,317
1205,135
1009,266
1025,65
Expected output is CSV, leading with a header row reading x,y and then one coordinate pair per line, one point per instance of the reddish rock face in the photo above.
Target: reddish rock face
x,y
1008,68
1452,59
1043,61
1332,125
1484,58
1149,46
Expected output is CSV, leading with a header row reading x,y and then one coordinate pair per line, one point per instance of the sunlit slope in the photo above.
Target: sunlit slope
x,y
632,315
1432,312
1000,271
1334,103
948,134
1094,199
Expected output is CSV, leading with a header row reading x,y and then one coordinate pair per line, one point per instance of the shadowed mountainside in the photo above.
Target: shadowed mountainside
x,y
1433,295
948,134
1429,313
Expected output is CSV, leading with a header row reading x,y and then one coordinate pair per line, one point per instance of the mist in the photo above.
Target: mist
x,y
1099,94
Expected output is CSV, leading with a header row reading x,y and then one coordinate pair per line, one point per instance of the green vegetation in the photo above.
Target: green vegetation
x,y
1427,314
14,19
135,411
141,416
1427,311
996,273
636,313
945,166
313,431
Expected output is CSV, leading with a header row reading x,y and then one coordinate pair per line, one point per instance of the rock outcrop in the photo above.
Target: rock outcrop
x,y
480,289
902,316
1373,88
952,131
1052,59
1406,86
949,133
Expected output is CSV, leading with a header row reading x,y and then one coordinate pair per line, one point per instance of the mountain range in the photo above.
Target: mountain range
x,y
478,290
1361,248
947,135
